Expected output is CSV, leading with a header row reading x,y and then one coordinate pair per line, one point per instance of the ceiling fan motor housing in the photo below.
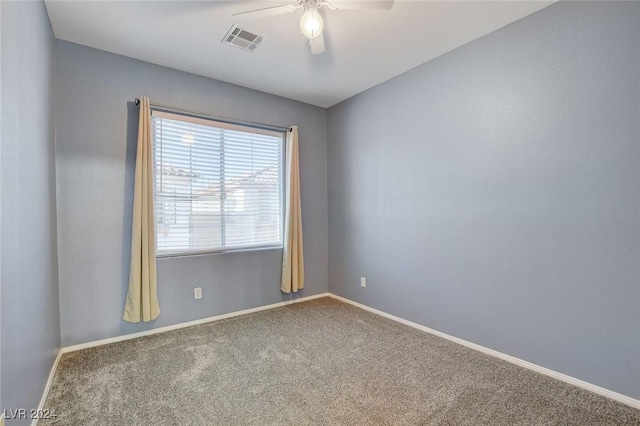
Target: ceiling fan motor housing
x,y
310,4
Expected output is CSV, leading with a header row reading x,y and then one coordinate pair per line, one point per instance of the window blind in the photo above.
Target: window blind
x,y
218,186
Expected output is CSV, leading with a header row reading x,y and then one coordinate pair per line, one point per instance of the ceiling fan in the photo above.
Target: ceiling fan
x,y
311,23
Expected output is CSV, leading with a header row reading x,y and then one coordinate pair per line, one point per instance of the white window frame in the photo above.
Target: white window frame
x,y
229,125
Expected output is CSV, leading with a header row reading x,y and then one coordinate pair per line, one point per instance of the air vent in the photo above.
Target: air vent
x,y
242,39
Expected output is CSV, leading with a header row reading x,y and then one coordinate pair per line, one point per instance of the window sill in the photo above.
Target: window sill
x,y
215,252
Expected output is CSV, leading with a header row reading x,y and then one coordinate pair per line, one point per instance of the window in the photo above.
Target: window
x,y
218,186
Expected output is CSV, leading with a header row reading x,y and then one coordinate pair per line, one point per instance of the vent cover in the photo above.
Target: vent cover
x,y
242,39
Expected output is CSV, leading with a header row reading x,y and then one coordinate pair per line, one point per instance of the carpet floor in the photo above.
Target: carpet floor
x,y
321,362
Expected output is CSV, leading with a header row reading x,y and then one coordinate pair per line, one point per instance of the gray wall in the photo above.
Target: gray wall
x,y
96,125
1,406
492,193
29,282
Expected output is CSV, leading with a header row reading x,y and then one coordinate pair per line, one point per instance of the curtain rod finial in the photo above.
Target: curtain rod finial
x,y
137,102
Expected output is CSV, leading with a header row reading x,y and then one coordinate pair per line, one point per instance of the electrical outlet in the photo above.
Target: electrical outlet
x,y
197,293
363,282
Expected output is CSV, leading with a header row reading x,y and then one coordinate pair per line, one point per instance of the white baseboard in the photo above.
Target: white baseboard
x,y
52,373
188,324
517,361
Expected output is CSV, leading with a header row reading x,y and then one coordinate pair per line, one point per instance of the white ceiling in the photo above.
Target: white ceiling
x,y
364,48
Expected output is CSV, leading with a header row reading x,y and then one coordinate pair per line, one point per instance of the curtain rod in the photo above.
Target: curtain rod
x,y
197,114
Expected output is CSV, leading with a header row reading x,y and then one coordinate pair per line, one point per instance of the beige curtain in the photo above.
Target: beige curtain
x,y
292,259
142,297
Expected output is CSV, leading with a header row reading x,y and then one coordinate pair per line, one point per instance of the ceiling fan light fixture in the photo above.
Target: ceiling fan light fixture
x,y
311,24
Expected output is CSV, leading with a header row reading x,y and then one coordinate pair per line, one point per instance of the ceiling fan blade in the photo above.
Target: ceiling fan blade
x,y
317,45
263,13
360,4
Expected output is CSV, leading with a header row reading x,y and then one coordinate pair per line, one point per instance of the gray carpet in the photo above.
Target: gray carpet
x,y
320,362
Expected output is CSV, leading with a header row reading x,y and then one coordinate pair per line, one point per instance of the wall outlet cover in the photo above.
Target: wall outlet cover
x,y
197,293
363,282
